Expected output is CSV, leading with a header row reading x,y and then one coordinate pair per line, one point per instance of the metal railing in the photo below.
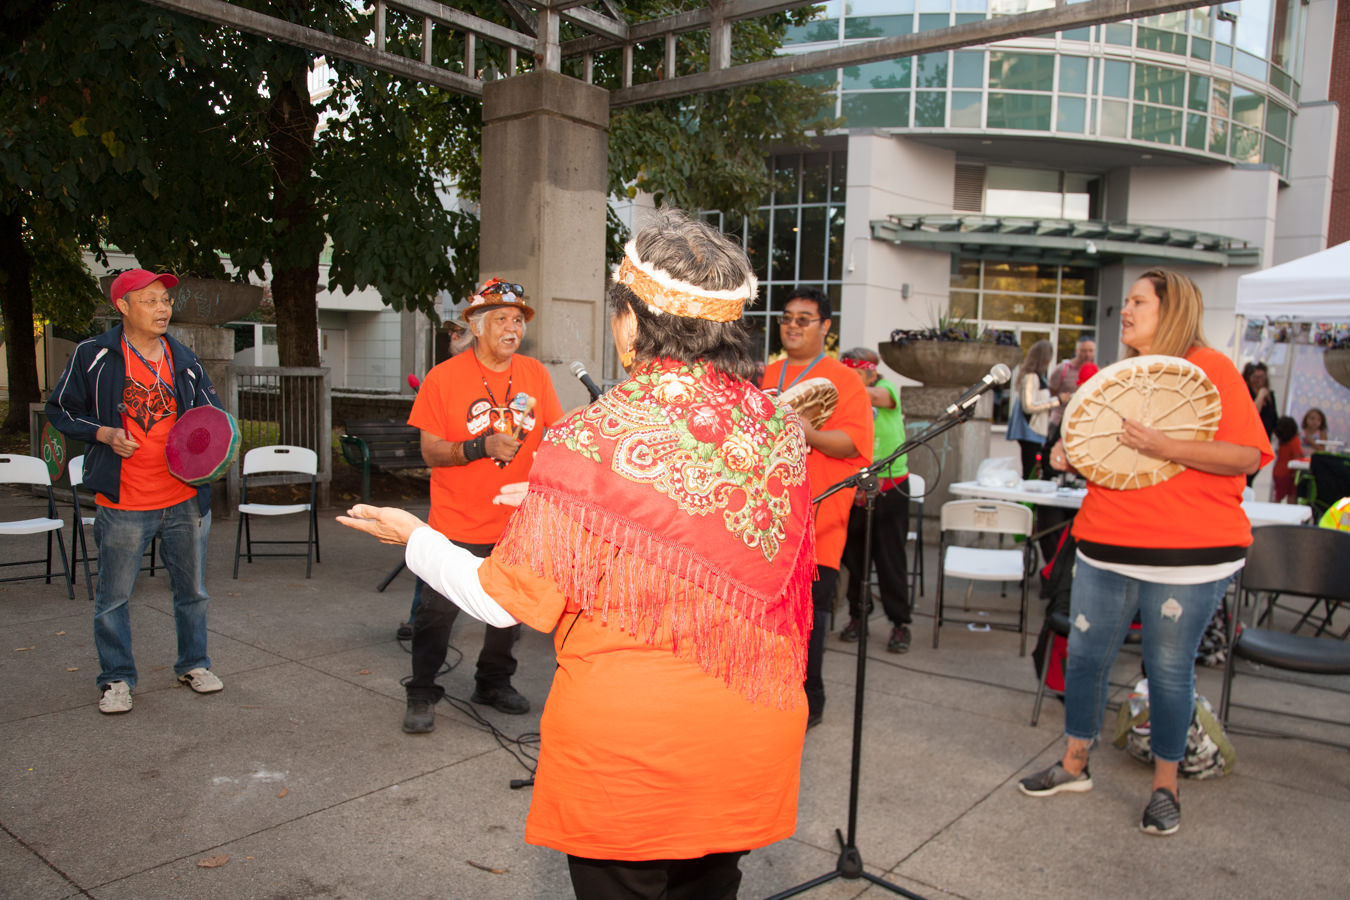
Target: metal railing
x,y
283,405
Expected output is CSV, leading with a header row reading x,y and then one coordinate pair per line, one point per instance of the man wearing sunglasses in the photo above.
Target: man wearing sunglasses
x,y
120,394
839,448
482,414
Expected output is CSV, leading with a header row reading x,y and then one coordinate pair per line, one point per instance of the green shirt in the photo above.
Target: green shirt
x,y
888,433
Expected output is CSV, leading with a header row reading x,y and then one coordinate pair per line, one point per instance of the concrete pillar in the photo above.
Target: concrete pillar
x,y
545,165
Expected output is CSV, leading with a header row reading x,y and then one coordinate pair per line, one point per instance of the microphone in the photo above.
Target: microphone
x,y
580,371
999,374
413,381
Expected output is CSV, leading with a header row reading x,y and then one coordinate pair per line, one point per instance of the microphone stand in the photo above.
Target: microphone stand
x,y
850,863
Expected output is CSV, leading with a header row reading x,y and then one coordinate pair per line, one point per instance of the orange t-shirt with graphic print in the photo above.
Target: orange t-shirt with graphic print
x,y
149,411
461,399
853,416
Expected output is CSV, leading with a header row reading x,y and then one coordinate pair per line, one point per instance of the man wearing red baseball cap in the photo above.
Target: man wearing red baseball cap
x,y
120,394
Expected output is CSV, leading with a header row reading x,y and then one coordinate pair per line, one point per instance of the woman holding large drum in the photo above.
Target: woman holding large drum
x,y
1174,431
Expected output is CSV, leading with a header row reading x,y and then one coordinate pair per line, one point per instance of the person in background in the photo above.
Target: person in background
x,y
666,541
839,448
1166,553
1290,448
121,393
1314,430
1257,377
477,435
1029,419
890,514
1064,380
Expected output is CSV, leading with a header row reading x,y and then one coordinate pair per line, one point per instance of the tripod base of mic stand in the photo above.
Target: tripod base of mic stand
x,y
850,866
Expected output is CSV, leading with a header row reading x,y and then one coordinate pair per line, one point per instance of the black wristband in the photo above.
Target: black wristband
x,y
475,449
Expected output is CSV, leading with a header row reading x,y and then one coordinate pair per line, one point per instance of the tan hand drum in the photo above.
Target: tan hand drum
x,y
1163,392
202,444
813,399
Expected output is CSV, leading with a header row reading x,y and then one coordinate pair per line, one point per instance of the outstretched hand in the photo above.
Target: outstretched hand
x,y
387,523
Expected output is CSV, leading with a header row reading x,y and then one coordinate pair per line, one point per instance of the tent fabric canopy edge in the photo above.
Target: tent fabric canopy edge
x,y
1312,288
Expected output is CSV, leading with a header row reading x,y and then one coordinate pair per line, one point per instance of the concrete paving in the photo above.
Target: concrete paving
x,y
297,782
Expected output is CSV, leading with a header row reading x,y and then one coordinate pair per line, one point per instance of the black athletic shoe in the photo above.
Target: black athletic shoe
x,y
1163,814
1051,781
503,699
404,632
420,716
899,642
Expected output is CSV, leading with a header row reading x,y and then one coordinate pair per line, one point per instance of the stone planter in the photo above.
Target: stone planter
x,y
1337,363
946,363
206,301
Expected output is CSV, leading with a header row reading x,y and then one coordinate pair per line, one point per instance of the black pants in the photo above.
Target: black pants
x,y
1030,450
822,601
890,530
716,876
431,640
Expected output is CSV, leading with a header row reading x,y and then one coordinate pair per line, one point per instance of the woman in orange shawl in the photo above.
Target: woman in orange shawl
x,y
666,541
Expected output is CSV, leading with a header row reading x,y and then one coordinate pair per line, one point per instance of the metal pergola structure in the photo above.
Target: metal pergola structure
x,y
537,27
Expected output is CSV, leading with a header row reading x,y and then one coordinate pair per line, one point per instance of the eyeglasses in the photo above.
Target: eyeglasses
x,y
503,287
802,321
152,304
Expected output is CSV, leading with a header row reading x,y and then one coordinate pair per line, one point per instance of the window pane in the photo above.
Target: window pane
x,y
1199,99
890,73
1223,55
784,245
836,224
968,69
1156,84
1021,71
811,261
1218,135
1019,308
1115,119
1115,78
1072,115
877,7
1117,33
1077,34
966,273
1073,311
881,110
785,178
931,70
965,109
1030,112
1277,121
1163,41
1218,98
820,30
930,109
1195,131
1073,74
963,305
1026,277
1274,154
757,245
1245,145
1248,108
933,21
1200,48
815,177
838,177
1254,66
877,26
1078,281
1156,123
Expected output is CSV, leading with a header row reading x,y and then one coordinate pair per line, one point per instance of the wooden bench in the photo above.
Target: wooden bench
x,y
383,444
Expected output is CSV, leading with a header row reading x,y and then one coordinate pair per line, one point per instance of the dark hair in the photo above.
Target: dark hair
x,y
1286,429
694,252
818,297
1321,415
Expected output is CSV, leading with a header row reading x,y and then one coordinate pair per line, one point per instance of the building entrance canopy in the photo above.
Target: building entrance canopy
x,y
1081,242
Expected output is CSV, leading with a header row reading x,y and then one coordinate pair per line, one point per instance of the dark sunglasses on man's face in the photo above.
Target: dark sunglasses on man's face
x,y
503,287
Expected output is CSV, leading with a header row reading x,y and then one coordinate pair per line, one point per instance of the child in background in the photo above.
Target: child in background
x,y
1286,433
1314,429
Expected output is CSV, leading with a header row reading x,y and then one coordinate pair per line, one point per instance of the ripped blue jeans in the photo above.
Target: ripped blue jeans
x,y
1173,616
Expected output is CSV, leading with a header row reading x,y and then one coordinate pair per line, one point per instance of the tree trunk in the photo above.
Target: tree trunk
x,y
16,304
291,123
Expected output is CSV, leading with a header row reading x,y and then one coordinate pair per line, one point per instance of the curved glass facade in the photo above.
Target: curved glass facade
x,y
1217,82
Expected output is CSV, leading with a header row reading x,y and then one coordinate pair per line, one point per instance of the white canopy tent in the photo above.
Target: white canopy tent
x,y
1314,288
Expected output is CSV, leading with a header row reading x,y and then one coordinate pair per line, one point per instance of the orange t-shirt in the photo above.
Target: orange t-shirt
x,y
1193,509
852,415
149,411
461,399
643,755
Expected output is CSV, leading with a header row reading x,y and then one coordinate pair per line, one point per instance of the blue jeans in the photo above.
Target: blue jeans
x,y
1173,617
122,537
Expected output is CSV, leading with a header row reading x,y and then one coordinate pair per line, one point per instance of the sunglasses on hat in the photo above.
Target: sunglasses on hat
x,y
502,287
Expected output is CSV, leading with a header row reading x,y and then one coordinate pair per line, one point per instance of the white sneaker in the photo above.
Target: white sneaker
x,y
201,680
116,698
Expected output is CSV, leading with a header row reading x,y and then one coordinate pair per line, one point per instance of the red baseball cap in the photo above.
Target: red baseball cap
x,y
135,279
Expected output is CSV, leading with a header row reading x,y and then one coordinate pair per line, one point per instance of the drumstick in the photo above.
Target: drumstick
x,y
523,403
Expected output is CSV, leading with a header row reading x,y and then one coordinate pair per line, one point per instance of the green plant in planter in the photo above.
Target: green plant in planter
x,y
954,329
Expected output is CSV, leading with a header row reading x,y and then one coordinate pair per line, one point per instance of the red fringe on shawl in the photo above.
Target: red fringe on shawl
x,y
754,641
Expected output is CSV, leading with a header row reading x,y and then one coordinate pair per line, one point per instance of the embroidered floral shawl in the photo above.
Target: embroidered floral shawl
x,y
676,507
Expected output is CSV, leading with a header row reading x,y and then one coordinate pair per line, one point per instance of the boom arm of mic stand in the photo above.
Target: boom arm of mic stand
x,y
946,423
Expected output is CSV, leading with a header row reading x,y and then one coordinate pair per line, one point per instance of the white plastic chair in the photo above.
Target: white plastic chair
x,y
17,469
917,488
982,564
278,459
79,547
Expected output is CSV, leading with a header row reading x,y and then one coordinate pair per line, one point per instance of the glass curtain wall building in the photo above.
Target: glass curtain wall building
x,y
1025,184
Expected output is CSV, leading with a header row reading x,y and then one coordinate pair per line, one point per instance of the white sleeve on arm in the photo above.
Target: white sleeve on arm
x,y
453,572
